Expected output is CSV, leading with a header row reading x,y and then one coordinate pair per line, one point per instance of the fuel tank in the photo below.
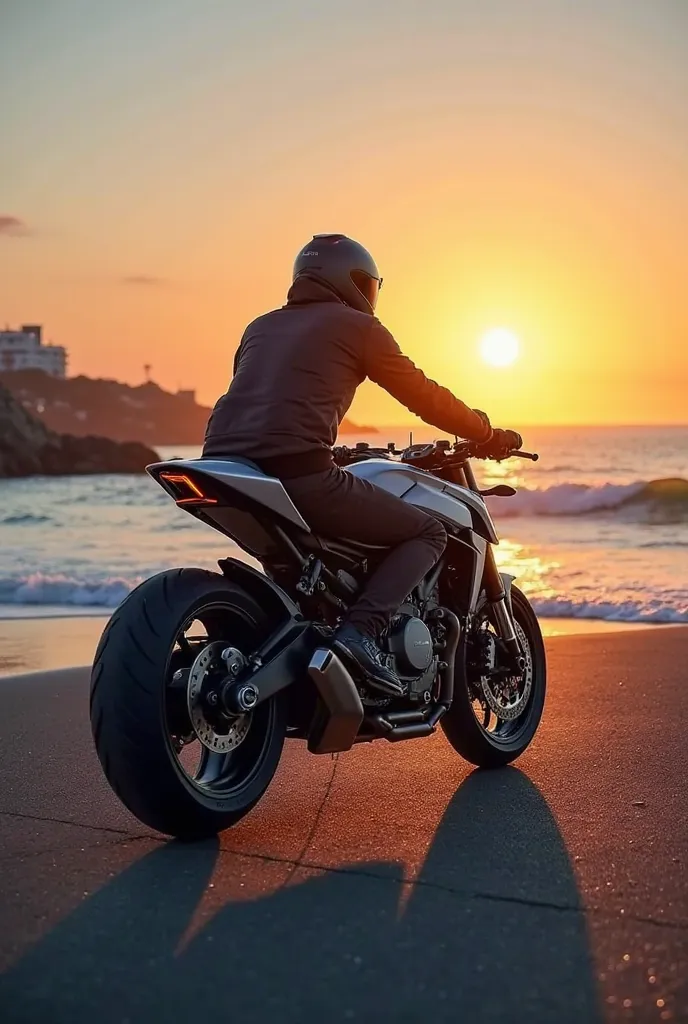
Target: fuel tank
x,y
451,502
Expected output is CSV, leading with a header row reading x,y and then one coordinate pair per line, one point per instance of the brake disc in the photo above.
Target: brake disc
x,y
504,705
221,735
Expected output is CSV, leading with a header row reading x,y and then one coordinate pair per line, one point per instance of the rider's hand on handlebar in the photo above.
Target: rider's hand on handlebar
x,y
500,444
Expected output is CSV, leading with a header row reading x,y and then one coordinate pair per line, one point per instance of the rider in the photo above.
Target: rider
x,y
295,374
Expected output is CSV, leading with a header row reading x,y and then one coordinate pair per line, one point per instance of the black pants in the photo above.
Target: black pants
x,y
337,504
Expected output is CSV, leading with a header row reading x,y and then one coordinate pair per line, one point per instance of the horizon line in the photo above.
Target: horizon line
x,y
525,426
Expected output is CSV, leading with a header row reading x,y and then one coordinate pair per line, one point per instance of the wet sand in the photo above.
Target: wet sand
x,y
43,644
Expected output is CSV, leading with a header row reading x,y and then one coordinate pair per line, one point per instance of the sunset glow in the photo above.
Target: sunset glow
x,y
149,212
499,347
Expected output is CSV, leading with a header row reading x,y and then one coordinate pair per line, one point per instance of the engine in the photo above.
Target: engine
x,y
410,645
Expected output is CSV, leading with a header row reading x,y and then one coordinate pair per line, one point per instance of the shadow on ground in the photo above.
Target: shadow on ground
x,y
492,930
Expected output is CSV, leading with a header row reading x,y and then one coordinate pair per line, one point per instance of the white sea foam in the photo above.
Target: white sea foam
x,y
658,609
40,589
108,592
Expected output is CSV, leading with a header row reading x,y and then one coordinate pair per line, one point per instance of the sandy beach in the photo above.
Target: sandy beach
x,y
389,883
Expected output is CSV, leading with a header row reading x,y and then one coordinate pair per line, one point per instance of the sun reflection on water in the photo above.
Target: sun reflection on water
x,y
531,570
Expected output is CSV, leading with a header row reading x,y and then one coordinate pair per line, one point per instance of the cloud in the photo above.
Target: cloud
x,y
14,226
144,281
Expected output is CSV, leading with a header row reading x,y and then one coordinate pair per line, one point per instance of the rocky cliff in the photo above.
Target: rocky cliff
x,y
28,447
83,406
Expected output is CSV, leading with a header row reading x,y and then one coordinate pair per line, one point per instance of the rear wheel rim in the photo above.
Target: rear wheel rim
x,y
213,774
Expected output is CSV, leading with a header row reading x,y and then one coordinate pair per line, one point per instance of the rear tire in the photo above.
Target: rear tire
x,y
463,730
130,694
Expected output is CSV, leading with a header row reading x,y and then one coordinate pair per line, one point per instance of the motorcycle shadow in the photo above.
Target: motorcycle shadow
x,y
492,930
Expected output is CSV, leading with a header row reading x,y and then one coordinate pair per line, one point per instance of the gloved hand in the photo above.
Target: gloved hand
x,y
500,444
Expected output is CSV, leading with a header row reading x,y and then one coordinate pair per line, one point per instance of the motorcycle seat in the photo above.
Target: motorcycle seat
x,y
316,543
233,458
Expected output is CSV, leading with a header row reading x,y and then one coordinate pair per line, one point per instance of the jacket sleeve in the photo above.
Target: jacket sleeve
x,y
386,364
237,357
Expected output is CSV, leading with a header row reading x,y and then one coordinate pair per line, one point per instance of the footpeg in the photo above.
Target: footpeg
x,y
340,711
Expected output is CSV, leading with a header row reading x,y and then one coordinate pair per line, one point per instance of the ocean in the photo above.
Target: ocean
x,y
598,530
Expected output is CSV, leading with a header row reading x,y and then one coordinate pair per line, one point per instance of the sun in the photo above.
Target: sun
x,y
499,347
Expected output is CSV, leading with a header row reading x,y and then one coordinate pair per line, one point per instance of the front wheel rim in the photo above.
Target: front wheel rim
x,y
507,728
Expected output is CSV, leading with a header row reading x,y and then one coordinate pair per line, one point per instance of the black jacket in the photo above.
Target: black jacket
x,y
295,375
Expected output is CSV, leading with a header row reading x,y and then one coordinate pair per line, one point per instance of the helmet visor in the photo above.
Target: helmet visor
x,y
368,286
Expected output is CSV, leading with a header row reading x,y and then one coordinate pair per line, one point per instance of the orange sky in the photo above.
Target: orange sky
x,y
517,165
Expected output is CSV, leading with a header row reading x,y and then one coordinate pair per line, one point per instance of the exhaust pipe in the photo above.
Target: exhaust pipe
x,y
340,712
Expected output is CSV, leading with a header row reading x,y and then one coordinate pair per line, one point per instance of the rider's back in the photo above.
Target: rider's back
x,y
295,375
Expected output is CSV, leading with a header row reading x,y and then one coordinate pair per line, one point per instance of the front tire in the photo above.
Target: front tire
x,y
139,721
468,735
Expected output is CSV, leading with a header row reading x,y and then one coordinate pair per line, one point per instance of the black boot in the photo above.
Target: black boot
x,y
370,660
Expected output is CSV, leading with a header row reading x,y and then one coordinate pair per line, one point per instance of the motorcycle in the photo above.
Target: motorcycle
x,y
200,676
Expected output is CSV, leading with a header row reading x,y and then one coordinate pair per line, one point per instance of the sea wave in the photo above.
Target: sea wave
x,y
23,519
650,609
79,596
664,500
40,589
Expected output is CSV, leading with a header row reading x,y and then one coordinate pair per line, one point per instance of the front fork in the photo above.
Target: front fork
x,y
501,609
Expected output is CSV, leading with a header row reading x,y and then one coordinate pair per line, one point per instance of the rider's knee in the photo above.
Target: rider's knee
x,y
436,535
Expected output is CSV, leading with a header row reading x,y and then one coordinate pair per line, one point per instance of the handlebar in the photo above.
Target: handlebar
x,y
431,455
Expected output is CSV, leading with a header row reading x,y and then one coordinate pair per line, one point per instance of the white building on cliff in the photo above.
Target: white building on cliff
x,y
24,350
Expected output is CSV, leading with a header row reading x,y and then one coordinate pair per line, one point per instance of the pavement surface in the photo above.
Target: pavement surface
x,y
392,883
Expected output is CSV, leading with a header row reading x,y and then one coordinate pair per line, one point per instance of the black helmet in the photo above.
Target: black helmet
x,y
344,266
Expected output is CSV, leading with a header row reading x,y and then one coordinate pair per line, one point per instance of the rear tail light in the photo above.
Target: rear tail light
x,y
186,491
